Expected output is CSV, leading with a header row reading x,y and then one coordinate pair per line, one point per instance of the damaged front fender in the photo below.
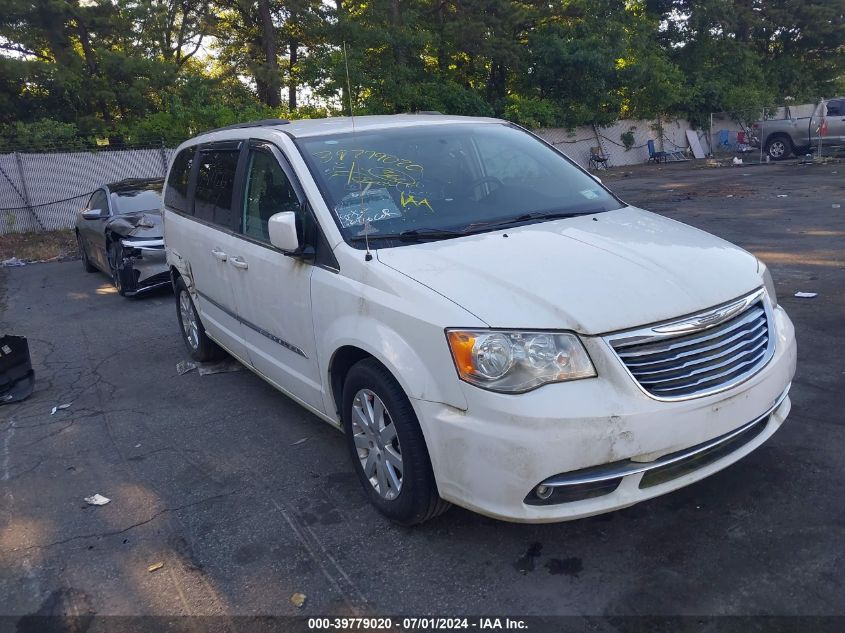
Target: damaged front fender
x,y
143,224
136,252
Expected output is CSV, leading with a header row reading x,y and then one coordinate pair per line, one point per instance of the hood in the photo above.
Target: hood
x,y
591,274
137,224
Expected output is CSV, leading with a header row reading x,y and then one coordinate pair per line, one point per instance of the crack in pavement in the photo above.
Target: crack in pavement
x,y
8,477
48,436
161,512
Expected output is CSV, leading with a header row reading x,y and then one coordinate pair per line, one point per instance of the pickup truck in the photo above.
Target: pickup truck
x,y
784,137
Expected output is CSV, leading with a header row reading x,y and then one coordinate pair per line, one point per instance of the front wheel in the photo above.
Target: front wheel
x,y
119,272
779,147
386,443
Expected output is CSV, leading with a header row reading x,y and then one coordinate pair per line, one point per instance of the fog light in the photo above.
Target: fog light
x,y
543,492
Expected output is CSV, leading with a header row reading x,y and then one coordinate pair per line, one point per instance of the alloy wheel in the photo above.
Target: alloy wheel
x,y
189,320
377,444
777,149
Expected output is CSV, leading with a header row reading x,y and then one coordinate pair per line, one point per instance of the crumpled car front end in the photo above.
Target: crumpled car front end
x,y
144,265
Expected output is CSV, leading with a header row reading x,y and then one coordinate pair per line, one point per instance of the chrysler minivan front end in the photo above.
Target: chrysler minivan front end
x,y
632,414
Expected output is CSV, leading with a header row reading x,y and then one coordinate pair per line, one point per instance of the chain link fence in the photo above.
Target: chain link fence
x,y
44,190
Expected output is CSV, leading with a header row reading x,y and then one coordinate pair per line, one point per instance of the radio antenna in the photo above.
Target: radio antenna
x,y
369,256
348,86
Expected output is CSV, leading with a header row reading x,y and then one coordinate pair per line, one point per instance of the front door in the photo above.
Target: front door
x,y
92,232
272,290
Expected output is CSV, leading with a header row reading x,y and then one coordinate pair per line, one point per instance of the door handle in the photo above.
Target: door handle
x,y
239,262
219,254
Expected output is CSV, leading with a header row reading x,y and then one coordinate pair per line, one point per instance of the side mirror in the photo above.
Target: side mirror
x,y
597,179
282,230
93,214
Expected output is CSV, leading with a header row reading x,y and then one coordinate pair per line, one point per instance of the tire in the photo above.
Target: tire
x,y
201,348
86,263
779,147
119,275
415,500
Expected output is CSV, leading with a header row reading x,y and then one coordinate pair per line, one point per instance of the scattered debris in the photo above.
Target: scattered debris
x,y
221,367
12,262
206,369
783,195
806,295
298,600
298,442
59,407
730,195
184,366
97,500
835,206
137,446
155,566
737,161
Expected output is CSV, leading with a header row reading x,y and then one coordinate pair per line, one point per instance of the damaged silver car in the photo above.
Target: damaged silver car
x,y
119,232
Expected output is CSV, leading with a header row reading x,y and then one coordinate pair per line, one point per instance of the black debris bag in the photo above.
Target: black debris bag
x,y
16,375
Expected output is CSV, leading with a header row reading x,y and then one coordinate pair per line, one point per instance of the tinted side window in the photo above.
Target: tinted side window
x,y
216,185
836,108
176,191
268,191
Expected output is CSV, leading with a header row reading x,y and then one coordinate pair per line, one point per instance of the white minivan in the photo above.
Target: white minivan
x,y
486,322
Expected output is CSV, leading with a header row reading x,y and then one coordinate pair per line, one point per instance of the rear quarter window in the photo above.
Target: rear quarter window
x,y
176,190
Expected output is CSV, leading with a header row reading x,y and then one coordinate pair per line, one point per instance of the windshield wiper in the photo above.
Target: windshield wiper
x,y
411,235
528,217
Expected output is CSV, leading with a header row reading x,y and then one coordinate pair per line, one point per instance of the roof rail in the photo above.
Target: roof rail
x,y
261,123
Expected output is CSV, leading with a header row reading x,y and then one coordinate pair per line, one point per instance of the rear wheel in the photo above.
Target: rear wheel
x,y
199,345
387,447
779,147
86,263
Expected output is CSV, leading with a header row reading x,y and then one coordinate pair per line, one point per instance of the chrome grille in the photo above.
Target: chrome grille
x,y
713,357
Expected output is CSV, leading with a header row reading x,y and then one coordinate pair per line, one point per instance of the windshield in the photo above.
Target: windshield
x,y
446,180
132,201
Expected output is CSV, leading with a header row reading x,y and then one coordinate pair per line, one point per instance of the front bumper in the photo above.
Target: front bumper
x,y
491,457
145,265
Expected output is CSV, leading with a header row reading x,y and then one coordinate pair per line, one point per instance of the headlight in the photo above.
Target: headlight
x,y
513,362
768,283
